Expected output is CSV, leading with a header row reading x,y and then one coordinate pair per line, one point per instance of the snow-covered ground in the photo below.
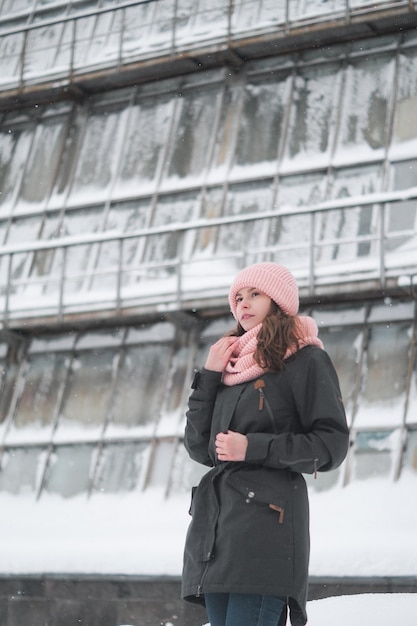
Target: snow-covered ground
x,y
398,609
367,528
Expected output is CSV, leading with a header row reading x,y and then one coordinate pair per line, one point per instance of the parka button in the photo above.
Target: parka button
x,y
251,494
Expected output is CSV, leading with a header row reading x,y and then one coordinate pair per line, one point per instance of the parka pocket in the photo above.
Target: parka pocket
x,y
254,492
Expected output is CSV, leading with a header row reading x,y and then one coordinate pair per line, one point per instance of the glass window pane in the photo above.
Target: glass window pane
x,y
10,55
162,458
65,167
245,14
212,204
160,34
185,472
96,162
405,122
343,234
84,29
209,16
15,144
80,258
177,376
45,151
312,115
128,216
291,237
184,15
304,9
106,39
3,230
410,456
46,275
40,4
357,181
384,377
45,376
125,217
174,409
144,145
122,467
210,333
251,236
10,7
403,175
261,123
24,229
63,53
87,401
22,470
364,114
9,373
374,454
292,234
181,208
19,268
412,400
69,468
41,46
299,191
4,258
139,388
138,23
194,129
271,12
400,225
359,226
20,230
344,346
226,130
101,339
82,221
40,272
160,332
364,3
81,6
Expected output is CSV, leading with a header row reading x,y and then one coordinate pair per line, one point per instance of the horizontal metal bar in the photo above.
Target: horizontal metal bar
x,y
328,206
297,21
70,18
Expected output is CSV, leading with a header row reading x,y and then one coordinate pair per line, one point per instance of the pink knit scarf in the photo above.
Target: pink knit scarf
x,y
243,367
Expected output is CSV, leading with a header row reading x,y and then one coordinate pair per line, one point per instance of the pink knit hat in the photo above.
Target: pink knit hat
x,y
272,279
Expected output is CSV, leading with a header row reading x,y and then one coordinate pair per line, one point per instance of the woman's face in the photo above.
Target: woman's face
x,y
252,307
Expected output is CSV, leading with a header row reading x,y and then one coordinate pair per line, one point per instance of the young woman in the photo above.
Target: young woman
x,y
265,408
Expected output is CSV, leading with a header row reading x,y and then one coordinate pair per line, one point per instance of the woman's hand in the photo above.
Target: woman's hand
x,y
231,446
220,353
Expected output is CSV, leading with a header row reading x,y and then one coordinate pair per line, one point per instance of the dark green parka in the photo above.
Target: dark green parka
x,y
250,520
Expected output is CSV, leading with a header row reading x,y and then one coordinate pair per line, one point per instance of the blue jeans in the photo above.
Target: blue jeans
x,y
243,609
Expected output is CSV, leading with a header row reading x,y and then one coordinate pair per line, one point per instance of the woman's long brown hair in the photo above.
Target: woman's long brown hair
x,y
278,333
